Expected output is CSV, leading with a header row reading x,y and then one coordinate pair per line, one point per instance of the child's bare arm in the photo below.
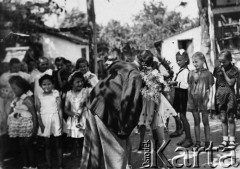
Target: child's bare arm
x,y
29,103
67,108
230,81
38,105
59,107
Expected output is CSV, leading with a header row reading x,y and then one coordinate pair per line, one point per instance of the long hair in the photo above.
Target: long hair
x,y
201,56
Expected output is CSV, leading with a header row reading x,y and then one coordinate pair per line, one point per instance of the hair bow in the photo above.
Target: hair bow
x,y
48,72
181,51
70,77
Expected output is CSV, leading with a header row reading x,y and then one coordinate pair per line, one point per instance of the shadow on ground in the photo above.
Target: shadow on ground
x,y
216,137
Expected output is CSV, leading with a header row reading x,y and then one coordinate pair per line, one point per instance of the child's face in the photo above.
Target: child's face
x,y
181,61
224,62
32,65
69,67
43,65
59,65
198,63
83,68
77,84
16,67
16,89
47,86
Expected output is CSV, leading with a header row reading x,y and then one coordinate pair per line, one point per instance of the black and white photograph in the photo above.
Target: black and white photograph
x,y
119,84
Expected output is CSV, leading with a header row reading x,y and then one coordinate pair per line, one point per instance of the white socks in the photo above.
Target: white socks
x,y
231,138
225,138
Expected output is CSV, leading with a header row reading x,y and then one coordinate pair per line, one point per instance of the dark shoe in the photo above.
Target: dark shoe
x,y
187,143
232,145
223,144
181,142
197,144
207,144
176,134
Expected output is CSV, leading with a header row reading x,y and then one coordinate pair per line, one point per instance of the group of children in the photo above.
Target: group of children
x,y
37,106
194,92
36,102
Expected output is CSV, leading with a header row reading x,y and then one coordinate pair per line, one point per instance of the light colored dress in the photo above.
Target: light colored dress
x,y
49,114
20,123
155,115
163,112
147,113
78,103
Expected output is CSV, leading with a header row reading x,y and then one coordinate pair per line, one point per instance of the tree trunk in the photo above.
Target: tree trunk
x,y
212,36
205,39
92,37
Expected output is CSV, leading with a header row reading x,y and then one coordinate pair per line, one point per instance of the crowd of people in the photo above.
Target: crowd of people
x,y
100,115
44,102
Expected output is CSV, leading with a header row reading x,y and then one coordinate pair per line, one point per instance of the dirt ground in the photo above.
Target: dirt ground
x,y
72,161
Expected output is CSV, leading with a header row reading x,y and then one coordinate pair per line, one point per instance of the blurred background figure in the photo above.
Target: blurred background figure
x,y
82,65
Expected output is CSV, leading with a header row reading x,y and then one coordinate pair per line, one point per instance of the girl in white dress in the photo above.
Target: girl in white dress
x,y
50,117
76,108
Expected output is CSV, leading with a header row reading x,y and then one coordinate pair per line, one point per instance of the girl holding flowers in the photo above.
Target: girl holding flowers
x,y
156,109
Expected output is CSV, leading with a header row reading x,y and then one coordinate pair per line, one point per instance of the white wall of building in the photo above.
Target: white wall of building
x,y
55,47
170,46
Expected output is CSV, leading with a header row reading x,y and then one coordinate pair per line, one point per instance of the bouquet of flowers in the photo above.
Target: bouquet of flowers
x,y
154,83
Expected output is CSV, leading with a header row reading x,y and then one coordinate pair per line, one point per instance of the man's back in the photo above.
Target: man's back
x,y
117,98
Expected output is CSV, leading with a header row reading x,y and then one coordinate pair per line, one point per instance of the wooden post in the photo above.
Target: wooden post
x,y
205,39
92,38
212,36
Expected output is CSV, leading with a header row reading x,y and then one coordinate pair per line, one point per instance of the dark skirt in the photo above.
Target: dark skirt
x,y
180,100
225,100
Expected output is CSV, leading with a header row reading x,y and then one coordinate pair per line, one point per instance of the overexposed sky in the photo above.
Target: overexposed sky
x,y
123,10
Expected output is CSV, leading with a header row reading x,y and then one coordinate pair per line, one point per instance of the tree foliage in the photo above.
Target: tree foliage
x,y
20,17
152,24
34,17
114,34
